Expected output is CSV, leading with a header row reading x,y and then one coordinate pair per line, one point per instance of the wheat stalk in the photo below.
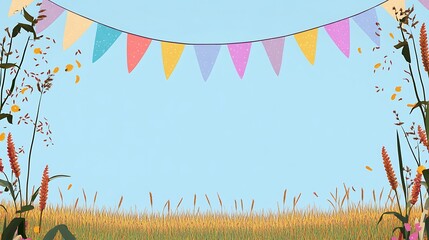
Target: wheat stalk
x,y
208,201
120,202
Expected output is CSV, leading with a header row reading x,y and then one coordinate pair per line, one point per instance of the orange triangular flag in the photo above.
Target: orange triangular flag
x,y
75,27
18,5
398,4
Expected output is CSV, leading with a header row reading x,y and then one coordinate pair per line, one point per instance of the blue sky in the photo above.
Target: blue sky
x,y
310,129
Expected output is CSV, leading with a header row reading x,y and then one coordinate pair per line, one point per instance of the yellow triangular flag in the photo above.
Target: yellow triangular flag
x,y
307,42
75,27
17,6
171,53
394,3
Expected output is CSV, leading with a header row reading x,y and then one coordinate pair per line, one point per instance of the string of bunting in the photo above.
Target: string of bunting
x,y
137,46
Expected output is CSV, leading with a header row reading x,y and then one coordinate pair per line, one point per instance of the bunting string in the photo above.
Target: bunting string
x,y
206,54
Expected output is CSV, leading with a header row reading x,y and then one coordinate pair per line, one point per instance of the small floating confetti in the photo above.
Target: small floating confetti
x,y
377,65
368,168
78,64
398,88
391,35
393,96
2,136
77,79
23,90
56,69
411,105
70,185
359,50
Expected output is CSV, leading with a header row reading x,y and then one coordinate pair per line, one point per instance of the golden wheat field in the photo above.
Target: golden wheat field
x,y
346,220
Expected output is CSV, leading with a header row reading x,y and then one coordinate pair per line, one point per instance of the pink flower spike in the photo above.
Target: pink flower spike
x,y
407,227
414,236
417,226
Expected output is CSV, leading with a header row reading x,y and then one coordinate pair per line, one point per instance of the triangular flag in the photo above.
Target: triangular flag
x,y
171,53
425,3
240,55
136,48
340,34
274,48
367,22
18,5
398,4
307,41
52,12
206,55
75,27
104,39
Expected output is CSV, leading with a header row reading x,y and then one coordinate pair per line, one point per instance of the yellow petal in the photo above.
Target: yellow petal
x,y
391,35
78,64
420,169
377,65
398,88
37,51
15,108
368,168
393,96
70,185
2,136
36,229
411,105
56,69
77,79
23,90
69,67
359,50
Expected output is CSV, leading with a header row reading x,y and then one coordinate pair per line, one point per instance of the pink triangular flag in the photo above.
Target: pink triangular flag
x,y
136,48
340,34
240,55
274,48
52,12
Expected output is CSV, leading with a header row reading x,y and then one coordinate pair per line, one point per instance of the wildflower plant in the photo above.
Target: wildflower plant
x,y
10,90
417,69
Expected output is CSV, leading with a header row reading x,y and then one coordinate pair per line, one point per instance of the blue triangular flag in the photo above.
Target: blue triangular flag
x,y
104,38
367,22
206,55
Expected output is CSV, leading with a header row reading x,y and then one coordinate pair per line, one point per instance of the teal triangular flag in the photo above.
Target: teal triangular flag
x,y
104,39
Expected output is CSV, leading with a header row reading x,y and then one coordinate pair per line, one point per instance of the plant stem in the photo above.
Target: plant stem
x,y
399,204
409,145
4,74
7,179
31,146
20,196
418,67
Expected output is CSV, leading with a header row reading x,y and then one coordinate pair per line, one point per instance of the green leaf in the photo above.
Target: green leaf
x,y
400,44
8,185
9,117
406,53
8,65
16,30
401,167
396,214
25,208
65,232
9,231
27,16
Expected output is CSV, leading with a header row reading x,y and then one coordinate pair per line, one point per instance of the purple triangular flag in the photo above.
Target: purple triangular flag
x,y
340,34
240,55
274,48
206,55
425,3
52,12
367,22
